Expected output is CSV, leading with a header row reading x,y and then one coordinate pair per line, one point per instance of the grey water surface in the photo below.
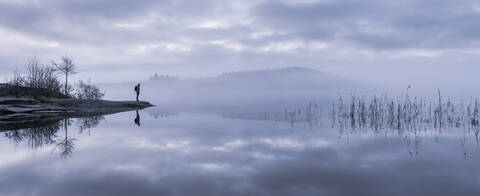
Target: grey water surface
x,y
157,152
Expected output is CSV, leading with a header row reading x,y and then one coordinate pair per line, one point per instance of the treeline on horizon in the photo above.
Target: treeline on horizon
x,y
38,75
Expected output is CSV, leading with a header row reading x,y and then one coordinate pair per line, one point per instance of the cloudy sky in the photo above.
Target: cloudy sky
x,y
374,40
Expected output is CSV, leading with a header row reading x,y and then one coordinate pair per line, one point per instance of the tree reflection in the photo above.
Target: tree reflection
x,y
86,123
44,133
35,137
66,145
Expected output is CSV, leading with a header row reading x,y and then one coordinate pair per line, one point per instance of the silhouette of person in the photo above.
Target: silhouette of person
x,y
137,119
137,90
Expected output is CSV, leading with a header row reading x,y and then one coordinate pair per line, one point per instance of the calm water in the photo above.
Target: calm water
x,y
181,153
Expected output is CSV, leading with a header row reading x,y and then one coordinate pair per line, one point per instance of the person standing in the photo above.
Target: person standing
x,y
137,90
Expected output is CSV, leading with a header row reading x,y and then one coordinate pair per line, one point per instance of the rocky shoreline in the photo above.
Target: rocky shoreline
x,y
15,110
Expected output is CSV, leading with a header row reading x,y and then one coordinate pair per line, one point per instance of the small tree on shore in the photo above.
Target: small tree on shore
x,y
67,67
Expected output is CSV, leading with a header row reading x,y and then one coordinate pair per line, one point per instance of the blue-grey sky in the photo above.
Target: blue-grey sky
x,y
375,40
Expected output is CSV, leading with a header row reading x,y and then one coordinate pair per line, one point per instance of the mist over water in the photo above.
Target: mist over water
x,y
245,139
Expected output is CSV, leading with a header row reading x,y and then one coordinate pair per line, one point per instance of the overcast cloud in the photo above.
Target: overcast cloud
x,y
131,40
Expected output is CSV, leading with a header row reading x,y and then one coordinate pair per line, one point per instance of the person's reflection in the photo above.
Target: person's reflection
x,y
137,119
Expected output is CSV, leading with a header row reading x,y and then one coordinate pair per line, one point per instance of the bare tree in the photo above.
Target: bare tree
x,y
37,76
67,67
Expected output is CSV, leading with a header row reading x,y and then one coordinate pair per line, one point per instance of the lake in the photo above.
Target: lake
x,y
200,153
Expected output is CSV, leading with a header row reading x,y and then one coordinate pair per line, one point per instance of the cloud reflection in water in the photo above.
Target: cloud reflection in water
x,y
204,154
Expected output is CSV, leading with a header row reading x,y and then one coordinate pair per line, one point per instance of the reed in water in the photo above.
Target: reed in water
x,y
404,113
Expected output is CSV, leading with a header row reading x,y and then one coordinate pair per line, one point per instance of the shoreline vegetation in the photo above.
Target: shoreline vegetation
x,y
38,93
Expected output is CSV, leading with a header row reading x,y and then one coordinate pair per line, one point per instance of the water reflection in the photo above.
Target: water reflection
x,y
45,133
161,113
411,120
66,145
35,137
87,123
205,154
137,119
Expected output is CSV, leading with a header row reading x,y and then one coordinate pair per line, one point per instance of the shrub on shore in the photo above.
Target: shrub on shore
x,y
86,90
37,76
41,76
